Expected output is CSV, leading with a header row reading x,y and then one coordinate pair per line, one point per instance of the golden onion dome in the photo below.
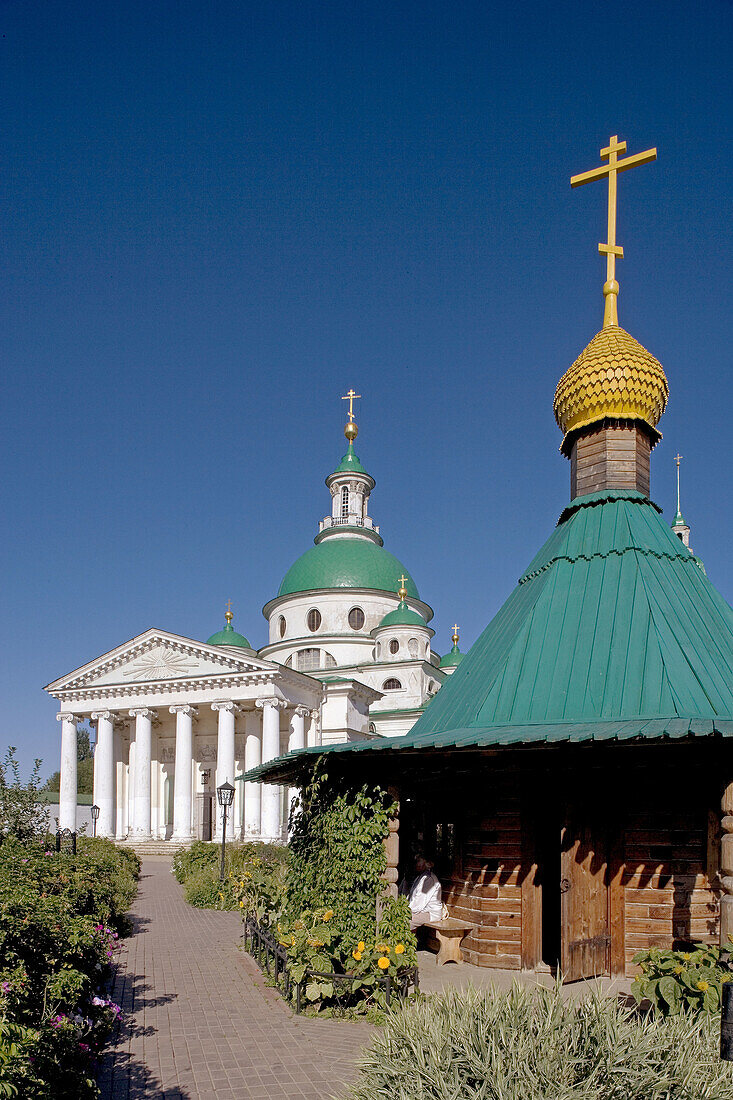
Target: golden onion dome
x,y
613,377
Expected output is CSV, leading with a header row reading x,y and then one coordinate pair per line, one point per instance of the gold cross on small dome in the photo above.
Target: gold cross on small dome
x,y
610,249
228,615
454,639
351,397
402,591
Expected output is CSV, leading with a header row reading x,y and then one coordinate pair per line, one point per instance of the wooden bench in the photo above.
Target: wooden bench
x,y
446,935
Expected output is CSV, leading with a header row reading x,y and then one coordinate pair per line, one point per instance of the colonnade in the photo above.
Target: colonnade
x,y
261,744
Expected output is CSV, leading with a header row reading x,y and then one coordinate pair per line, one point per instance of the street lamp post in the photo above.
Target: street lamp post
x,y
225,797
95,816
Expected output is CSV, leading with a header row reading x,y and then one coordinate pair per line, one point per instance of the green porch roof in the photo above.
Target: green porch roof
x,y
613,631
285,768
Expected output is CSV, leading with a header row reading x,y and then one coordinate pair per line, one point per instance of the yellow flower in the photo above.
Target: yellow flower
x,y
399,949
686,956
328,914
221,896
360,945
356,955
383,963
702,986
678,970
241,905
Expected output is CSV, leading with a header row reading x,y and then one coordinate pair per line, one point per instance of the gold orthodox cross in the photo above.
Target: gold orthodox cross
x,y
455,634
229,605
351,396
610,249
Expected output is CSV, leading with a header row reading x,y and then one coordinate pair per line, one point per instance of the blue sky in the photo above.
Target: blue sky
x,y
216,217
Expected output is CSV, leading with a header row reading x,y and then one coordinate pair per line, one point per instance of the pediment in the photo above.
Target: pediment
x,y
158,656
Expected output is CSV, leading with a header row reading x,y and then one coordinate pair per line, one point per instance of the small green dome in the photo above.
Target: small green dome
x,y
228,636
452,659
346,563
350,464
402,616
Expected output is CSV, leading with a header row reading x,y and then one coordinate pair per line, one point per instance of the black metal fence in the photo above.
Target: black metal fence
x,y
272,959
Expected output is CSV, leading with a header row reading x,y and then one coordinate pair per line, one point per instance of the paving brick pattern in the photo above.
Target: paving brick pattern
x,y
199,1021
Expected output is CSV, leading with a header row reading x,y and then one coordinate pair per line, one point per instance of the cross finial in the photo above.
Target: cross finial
x,y
351,397
678,459
402,591
610,249
455,636
228,615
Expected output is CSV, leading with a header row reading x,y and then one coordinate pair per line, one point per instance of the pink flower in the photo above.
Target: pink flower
x,y
6,987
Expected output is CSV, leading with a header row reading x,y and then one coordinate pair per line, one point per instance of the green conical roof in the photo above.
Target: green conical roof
x,y
228,636
612,620
350,464
402,616
452,659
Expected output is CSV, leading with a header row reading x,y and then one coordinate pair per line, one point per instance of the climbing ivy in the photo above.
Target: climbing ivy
x,y
337,855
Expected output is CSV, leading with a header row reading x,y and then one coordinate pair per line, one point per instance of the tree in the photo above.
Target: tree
x,y
20,812
84,768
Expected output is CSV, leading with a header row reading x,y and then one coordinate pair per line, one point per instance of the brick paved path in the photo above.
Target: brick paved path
x,y
199,1021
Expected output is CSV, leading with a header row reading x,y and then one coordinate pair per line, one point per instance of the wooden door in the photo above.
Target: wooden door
x,y
585,938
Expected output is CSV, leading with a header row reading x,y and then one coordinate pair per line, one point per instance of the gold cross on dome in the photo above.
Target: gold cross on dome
x,y
351,397
678,459
229,616
455,634
402,591
610,249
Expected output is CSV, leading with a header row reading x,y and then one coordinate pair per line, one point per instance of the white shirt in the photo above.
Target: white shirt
x,y
426,896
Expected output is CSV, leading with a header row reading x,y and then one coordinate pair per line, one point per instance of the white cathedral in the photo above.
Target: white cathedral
x,y
349,657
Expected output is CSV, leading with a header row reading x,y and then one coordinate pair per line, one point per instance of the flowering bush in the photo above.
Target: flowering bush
x,y
681,980
254,876
59,916
319,951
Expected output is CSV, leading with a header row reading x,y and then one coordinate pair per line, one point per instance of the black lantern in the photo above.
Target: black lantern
x,y
225,797
95,817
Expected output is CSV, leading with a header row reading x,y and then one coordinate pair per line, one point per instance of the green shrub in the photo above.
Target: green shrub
x,y
204,890
532,1044
189,861
676,981
56,941
337,855
198,869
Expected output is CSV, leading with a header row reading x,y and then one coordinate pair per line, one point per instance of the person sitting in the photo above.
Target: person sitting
x,y
424,895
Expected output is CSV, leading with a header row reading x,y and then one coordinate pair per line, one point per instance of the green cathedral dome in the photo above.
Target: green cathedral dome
x,y
346,563
452,659
402,616
228,636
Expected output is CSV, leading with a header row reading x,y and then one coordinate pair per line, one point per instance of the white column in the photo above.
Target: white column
x,y
104,772
271,830
67,785
141,804
224,754
252,758
296,741
183,774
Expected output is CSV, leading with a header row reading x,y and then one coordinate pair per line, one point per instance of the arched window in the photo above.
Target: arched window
x,y
345,502
329,661
372,728
309,660
393,684
394,646
313,620
281,626
412,647
289,662
356,618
